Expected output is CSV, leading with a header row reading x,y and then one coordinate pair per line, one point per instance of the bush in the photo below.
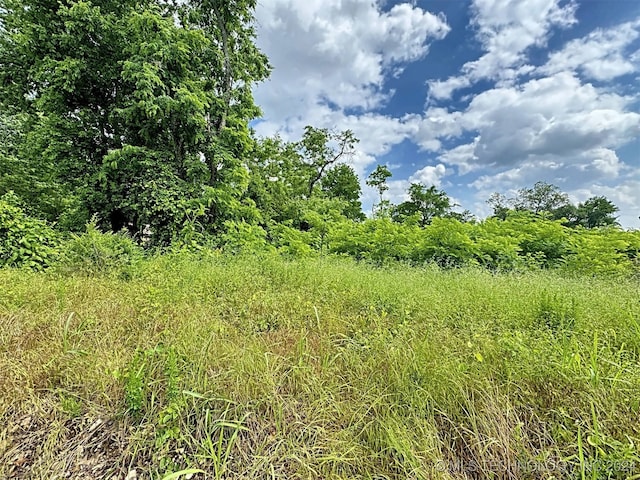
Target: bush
x,y
98,253
244,237
292,242
604,251
24,241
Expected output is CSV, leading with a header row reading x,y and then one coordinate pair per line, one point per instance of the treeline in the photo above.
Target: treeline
x,y
133,116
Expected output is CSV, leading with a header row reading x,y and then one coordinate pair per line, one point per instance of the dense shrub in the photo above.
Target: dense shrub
x,y
607,251
24,241
96,253
243,236
522,241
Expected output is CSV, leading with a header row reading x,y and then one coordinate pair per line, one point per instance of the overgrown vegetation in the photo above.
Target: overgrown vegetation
x,y
246,367
136,114
180,298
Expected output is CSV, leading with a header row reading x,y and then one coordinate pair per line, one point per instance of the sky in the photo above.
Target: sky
x,y
472,96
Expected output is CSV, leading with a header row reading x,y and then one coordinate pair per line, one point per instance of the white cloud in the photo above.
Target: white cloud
x,y
336,52
429,175
506,29
379,133
602,162
463,156
556,116
398,191
437,124
601,55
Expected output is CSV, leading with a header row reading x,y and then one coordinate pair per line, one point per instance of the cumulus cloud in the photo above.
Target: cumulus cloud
x,y
506,29
429,175
601,55
337,52
556,116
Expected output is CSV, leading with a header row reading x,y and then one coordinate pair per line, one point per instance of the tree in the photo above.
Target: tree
x,y
569,213
341,183
425,203
463,217
501,205
274,178
378,180
142,107
320,148
543,197
596,212
58,67
290,179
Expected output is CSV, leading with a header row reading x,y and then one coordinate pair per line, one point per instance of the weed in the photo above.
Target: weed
x,y
246,367
556,313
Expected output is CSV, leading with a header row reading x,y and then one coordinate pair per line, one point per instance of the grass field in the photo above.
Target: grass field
x,y
259,367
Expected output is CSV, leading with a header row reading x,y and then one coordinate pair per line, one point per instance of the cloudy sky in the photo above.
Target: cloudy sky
x,y
473,96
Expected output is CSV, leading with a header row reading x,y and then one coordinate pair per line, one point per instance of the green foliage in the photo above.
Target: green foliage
x,y
322,367
378,180
24,241
97,253
424,203
341,183
448,243
542,242
292,242
318,152
542,197
548,201
242,236
302,185
522,241
606,251
152,381
129,113
556,313
596,212
379,240
497,250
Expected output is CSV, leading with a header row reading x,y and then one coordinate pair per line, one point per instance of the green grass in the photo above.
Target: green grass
x,y
259,367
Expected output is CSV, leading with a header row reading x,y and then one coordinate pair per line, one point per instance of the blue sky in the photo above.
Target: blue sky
x,y
473,96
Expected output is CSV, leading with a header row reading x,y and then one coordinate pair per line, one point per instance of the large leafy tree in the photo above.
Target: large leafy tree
x,y
547,199
597,212
425,203
594,212
542,197
141,107
341,183
290,178
320,149
275,180
58,65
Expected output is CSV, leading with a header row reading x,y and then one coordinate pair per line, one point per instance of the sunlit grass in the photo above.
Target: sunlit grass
x,y
259,367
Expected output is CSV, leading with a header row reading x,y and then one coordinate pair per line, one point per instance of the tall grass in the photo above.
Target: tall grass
x,y
258,367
